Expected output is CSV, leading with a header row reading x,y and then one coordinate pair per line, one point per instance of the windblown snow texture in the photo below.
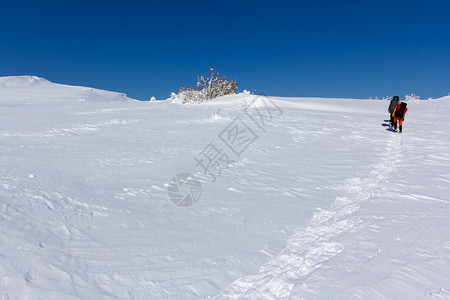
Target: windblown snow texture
x,y
323,203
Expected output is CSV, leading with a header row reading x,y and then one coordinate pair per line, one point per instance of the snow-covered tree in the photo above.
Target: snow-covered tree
x,y
412,97
215,85
208,87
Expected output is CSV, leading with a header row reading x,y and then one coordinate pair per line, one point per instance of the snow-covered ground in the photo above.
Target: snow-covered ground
x,y
308,198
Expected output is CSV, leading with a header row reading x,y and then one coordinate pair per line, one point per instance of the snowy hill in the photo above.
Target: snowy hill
x,y
35,90
304,199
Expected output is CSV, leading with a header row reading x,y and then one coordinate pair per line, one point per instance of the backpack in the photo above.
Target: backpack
x,y
400,110
392,105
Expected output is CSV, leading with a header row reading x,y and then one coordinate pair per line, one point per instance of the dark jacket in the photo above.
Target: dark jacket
x,y
392,105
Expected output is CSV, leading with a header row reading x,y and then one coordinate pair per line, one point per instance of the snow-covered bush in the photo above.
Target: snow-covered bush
x,y
187,95
412,97
208,88
215,85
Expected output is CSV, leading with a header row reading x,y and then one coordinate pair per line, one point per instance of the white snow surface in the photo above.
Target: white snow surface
x,y
325,203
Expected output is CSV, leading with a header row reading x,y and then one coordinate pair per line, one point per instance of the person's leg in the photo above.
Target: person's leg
x,y
395,123
401,124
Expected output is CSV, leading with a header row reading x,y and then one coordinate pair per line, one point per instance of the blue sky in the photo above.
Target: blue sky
x,y
285,48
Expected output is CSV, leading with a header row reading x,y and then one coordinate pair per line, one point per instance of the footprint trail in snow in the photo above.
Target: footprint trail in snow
x,y
308,249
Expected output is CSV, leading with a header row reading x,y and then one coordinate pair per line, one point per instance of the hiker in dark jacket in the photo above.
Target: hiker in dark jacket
x,y
392,106
399,115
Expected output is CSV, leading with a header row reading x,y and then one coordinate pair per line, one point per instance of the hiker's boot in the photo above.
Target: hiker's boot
x,y
400,129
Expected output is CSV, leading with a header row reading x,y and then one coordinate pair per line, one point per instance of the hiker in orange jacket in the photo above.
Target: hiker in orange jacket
x,y
399,115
